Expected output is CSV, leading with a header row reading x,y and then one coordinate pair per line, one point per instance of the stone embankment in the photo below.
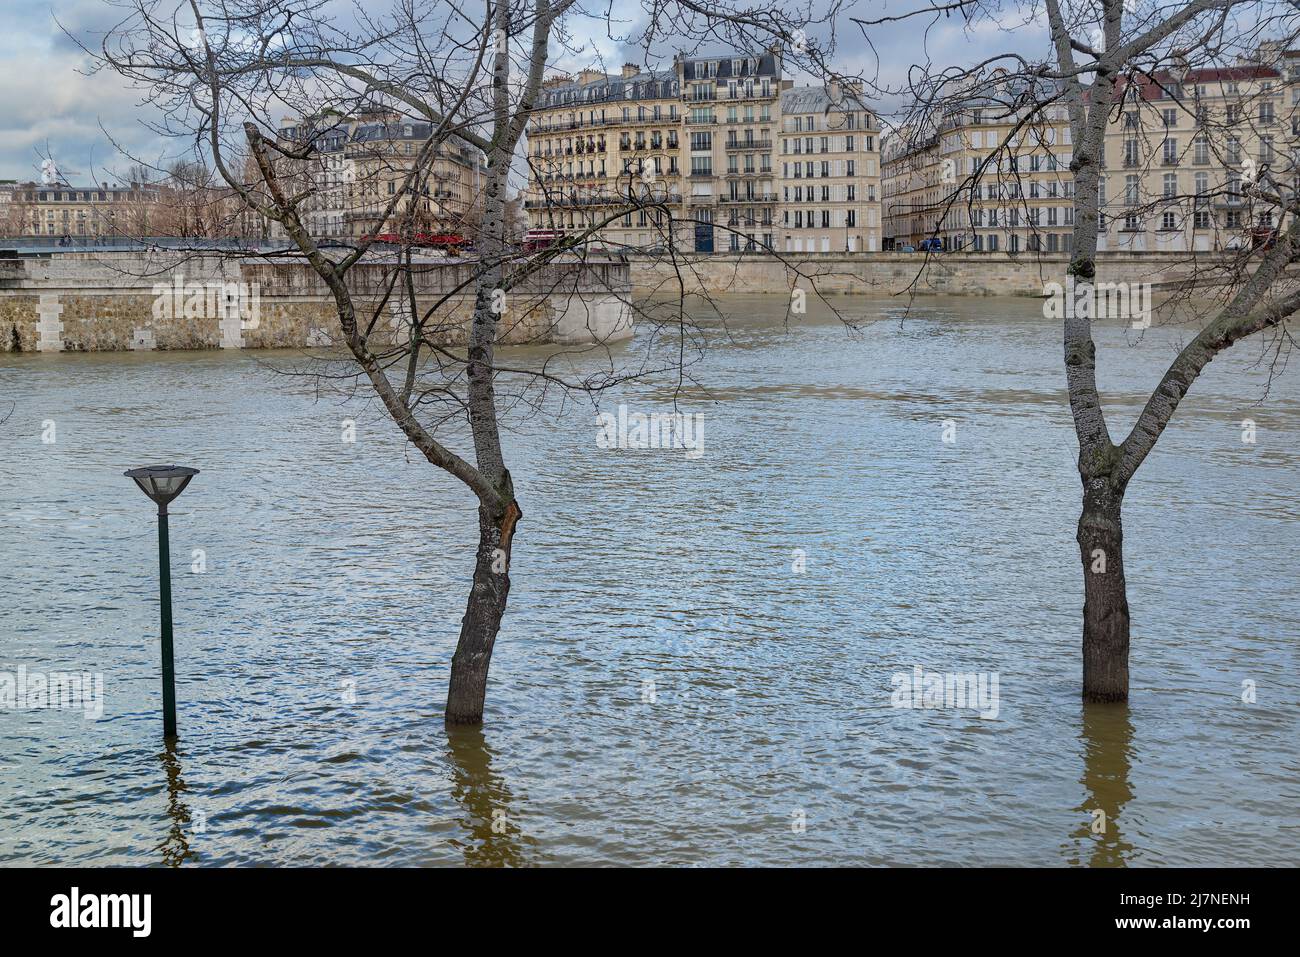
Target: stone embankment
x,y
143,300
943,274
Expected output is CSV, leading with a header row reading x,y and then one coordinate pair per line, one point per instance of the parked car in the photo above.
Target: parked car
x,y
934,245
907,249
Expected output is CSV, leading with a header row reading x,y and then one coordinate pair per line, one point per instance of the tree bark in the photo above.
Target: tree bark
x,y
483,612
1105,601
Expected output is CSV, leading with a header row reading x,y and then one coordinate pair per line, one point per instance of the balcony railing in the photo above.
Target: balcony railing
x,y
741,94
564,126
605,199
754,198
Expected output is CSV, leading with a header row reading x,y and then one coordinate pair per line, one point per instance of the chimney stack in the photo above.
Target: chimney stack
x,y
630,69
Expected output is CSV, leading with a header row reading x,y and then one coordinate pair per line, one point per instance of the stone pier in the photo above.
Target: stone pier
x,y
139,300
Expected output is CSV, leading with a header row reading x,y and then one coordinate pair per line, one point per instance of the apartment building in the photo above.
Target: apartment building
x,y
599,144
691,155
10,224
1009,176
829,171
103,211
446,198
360,163
1190,160
1186,149
325,177
911,187
731,115
994,175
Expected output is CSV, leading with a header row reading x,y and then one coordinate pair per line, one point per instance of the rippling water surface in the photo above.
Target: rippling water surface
x,y
667,689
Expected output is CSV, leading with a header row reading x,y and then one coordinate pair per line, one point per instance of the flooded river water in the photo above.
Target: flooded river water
x,y
697,664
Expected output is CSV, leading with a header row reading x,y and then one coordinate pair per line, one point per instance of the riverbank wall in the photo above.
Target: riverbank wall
x,y
161,299
941,274
137,300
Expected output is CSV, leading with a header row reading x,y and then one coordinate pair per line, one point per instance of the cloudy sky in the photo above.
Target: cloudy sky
x,y
49,104
46,100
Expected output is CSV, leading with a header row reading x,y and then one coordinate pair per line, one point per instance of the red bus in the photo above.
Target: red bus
x,y
535,240
448,241
1263,237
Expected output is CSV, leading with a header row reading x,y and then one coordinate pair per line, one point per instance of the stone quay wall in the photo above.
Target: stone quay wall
x,y
88,301
135,300
888,274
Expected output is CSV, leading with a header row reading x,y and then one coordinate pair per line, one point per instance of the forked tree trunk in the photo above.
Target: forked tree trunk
x,y
482,621
1105,601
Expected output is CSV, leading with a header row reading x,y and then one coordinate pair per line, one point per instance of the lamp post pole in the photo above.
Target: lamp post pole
x,y
162,483
165,594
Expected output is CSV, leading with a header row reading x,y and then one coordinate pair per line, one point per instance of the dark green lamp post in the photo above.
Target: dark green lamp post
x,y
162,483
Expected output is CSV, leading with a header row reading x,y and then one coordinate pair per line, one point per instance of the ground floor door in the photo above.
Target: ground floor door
x,y
703,238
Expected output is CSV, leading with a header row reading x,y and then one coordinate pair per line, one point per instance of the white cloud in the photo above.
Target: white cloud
x,y
49,99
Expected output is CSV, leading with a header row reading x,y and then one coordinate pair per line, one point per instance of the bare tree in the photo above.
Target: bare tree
x,y
1112,63
221,70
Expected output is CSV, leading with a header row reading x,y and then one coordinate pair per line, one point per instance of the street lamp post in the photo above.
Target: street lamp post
x,y
162,483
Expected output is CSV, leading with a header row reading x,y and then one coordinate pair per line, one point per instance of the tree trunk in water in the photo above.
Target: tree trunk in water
x,y
1105,602
483,611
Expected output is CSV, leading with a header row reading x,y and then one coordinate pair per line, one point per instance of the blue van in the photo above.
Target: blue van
x,y
931,245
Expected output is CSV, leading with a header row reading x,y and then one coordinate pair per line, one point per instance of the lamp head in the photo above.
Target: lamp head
x,y
162,483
